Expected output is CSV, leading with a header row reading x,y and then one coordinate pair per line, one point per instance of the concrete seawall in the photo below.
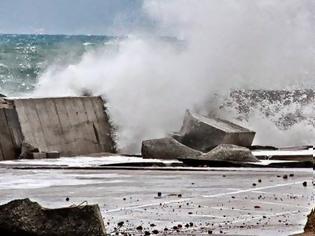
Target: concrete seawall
x,y
70,125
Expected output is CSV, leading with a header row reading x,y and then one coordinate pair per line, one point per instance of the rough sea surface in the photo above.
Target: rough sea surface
x,y
286,114
24,57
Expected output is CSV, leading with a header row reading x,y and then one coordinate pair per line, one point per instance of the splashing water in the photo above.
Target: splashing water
x,y
148,82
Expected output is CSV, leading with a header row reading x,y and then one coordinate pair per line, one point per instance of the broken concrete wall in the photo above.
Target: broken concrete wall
x,y
7,145
70,125
10,132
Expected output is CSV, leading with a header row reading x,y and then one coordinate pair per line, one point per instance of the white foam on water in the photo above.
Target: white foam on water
x,y
148,83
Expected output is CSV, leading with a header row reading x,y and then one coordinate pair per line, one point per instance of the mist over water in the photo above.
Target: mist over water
x,y
149,82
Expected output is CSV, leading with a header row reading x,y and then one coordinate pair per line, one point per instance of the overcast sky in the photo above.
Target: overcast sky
x,y
71,16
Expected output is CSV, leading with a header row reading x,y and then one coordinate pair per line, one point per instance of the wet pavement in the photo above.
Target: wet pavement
x,y
230,201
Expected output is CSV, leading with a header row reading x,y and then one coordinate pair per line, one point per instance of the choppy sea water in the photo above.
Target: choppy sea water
x,y
287,115
24,57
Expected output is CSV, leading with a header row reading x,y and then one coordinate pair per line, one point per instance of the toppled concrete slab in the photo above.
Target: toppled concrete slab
x,y
69,125
167,148
203,133
26,218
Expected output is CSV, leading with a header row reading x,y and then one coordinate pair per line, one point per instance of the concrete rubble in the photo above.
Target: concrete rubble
x,y
229,153
70,125
26,218
224,155
28,151
212,142
204,133
203,139
167,148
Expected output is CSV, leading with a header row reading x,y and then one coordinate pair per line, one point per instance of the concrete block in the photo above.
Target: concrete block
x,y
53,155
204,133
230,152
71,126
39,155
166,148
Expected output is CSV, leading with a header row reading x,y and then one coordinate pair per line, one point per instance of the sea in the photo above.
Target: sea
x,y
23,57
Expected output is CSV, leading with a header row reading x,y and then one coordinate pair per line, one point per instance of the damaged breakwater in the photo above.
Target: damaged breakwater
x,y
69,125
208,141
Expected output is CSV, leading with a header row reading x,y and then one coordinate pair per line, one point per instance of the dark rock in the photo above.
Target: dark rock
x,y
166,148
2,96
27,218
27,151
310,224
304,183
203,133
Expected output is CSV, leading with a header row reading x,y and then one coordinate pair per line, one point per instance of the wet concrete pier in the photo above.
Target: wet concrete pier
x,y
231,201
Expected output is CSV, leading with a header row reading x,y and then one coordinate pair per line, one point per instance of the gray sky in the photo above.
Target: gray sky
x,y
71,16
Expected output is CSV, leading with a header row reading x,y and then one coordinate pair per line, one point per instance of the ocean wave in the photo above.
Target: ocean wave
x,y
23,58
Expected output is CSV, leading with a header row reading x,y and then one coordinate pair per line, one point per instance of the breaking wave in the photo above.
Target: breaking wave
x,y
148,82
